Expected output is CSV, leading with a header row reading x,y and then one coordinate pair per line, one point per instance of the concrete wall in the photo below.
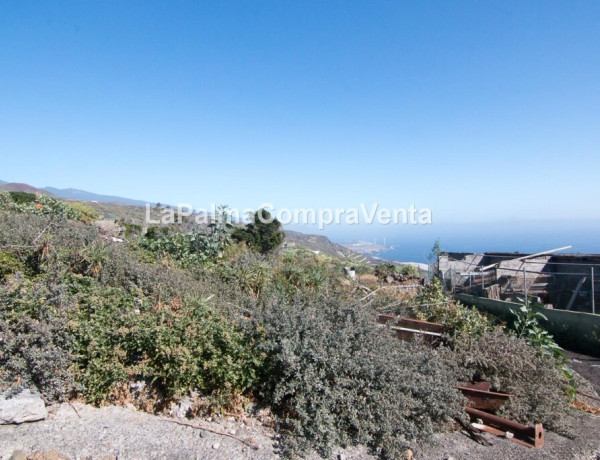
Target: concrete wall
x,y
579,332
460,262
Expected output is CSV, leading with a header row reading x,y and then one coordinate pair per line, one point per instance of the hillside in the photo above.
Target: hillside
x,y
69,193
18,187
134,212
323,245
82,195
316,243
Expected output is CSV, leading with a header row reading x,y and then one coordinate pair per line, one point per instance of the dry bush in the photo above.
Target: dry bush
x,y
35,346
393,301
334,378
539,385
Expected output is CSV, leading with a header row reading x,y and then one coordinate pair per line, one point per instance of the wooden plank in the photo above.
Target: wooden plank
x,y
409,323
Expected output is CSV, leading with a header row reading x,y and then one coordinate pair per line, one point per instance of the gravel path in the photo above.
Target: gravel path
x,y
123,433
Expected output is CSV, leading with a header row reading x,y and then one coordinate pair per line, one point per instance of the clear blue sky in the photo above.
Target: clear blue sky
x,y
479,110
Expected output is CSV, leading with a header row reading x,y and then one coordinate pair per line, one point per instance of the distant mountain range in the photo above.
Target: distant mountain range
x,y
69,193
18,187
82,195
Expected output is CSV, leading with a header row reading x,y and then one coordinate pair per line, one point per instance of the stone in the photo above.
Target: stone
x,y
182,408
18,455
216,445
509,435
136,387
23,407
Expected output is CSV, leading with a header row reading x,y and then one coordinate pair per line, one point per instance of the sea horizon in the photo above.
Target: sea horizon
x,y
415,244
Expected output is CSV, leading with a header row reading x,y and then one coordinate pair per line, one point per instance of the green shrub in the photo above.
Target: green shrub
x,y
527,326
251,273
410,271
22,197
177,346
131,229
334,378
263,234
302,270
154,233
196,247
197,348
9,264
83,212
294,277
385,269
435,306
45,205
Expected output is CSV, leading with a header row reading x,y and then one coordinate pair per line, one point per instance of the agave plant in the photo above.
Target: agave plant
x,y
96,255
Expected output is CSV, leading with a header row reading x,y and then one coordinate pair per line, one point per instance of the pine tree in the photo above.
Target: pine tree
x,y
263,234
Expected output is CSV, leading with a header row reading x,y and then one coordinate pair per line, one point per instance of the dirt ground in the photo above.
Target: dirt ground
x,y
123,433
108,433
84,432
586,366
458,446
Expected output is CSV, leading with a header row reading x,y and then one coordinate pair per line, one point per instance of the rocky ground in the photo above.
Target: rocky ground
x,y
84,432
79,431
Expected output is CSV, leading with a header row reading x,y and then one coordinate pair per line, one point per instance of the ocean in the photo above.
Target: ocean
x,y
414,244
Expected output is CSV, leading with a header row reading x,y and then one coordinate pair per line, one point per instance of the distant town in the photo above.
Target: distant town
x,y
366,247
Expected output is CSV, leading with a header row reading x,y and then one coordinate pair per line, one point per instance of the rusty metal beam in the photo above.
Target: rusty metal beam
x,y
483,399
531,435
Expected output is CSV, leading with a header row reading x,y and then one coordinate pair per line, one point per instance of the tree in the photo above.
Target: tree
x,y
433,257
436,250
263,234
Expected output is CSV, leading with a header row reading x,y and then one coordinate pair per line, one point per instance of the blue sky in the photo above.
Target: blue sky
x,y
478,110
